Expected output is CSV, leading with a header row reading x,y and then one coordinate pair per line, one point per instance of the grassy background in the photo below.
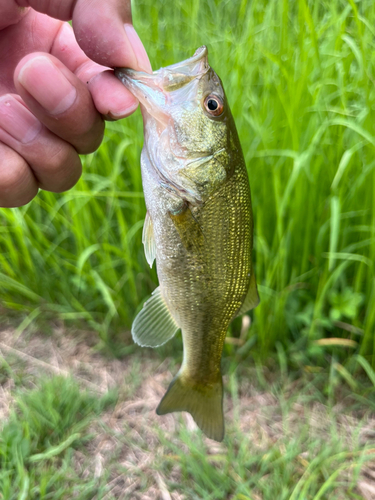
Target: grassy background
x,y
299,77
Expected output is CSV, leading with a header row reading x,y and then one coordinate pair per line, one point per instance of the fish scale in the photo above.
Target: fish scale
x,y
198,227
224,219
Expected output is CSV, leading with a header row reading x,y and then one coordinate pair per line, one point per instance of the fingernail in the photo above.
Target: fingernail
x,y
139,50
46,83
17,120
123,113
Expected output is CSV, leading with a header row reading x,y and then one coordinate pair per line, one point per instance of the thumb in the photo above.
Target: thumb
x,y
103,29
105,32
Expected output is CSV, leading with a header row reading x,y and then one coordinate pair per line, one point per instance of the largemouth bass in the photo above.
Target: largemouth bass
x,y
198,227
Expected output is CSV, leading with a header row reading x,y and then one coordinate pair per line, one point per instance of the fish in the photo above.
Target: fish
x,y
198,228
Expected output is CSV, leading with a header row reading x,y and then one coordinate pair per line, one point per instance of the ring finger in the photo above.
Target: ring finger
x,y
55,164
18,185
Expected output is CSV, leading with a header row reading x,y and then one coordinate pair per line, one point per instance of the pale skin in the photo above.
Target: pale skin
x,y
56,88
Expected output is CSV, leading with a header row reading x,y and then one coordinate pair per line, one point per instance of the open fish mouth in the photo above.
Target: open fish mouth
x,y
182,138
158,91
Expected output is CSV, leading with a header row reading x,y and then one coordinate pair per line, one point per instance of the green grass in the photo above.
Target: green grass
x,y
300,81
37,442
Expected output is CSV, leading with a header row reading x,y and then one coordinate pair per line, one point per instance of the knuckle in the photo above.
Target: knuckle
x,y
66,165
91,140
16,182
74,167
21,199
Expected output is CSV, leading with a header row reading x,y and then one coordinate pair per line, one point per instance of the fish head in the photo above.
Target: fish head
x,y
187,123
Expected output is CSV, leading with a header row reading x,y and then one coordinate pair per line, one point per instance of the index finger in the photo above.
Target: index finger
x,y
103,29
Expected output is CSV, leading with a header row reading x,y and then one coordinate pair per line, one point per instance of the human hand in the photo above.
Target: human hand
x,y
53,94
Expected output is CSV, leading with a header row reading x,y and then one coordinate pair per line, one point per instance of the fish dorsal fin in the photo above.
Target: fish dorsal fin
x,y
148,240
252,297
154,325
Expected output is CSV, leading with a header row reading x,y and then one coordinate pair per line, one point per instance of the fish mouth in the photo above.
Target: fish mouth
x,y
167,86
165,95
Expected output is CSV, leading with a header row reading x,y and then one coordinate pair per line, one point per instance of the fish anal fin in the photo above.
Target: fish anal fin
x,y
148,240
252,297
154,325
203,402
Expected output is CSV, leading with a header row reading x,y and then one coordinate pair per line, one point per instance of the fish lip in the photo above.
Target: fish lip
x,y
139,83
152,89
199,56
146,88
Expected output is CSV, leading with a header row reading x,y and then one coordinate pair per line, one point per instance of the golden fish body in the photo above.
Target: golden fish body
x,y
198,227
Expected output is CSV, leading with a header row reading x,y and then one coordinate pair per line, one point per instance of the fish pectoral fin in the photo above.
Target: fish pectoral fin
x,y
252,297
148,240
154,325
189,230
203,402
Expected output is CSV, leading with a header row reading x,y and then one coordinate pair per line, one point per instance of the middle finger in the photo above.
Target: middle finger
x,y
54,163
59,100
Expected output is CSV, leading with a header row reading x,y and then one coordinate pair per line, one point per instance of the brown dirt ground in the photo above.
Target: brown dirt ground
x,y
73,354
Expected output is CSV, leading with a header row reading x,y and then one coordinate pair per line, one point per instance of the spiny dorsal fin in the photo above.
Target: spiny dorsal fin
x,y
252,297
154,325
203,402
148,240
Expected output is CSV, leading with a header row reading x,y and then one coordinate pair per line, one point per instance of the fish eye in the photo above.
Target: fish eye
x,y
214,105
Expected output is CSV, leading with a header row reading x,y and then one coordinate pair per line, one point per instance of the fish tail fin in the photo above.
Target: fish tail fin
x,y
203,402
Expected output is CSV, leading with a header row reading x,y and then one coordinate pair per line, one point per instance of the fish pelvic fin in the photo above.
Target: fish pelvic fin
x,y
203,402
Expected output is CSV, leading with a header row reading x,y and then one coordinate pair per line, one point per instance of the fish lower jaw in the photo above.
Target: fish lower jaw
x,y
161,119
